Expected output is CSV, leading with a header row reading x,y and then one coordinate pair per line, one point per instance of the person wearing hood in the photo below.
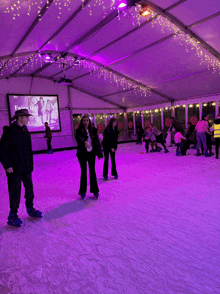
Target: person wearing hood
x,y
217,134
17,160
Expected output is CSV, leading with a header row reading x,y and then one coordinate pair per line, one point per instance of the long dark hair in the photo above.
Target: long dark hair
x,y
90,127
113,119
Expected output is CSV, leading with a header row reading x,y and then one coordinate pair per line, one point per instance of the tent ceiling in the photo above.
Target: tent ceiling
x,y
145,54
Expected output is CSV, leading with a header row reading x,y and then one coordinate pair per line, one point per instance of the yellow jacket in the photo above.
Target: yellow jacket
x,y
217,128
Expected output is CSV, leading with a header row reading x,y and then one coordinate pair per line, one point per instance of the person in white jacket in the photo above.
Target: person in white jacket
x,y
178,139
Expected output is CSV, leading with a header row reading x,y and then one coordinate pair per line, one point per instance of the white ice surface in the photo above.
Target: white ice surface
x,y
154,230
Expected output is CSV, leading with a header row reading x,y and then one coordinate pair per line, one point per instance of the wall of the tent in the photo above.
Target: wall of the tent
x,y
73,104
68,100
62,139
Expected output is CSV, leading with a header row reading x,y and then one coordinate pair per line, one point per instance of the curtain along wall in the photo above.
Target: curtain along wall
x,y
72,107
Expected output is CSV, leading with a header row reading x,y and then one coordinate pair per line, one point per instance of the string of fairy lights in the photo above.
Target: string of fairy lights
x,y
8,67
190,43
16,6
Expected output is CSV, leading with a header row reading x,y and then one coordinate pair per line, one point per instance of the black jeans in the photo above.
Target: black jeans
x,y
217,141
209,144
178,147
106,157
14,189
139,137
159,139
49,147
90,158
147,145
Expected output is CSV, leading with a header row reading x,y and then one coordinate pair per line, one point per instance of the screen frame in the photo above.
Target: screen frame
x,y
58,107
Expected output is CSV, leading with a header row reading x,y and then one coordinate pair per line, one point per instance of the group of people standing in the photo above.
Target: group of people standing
x,y
16,154
203,134
203,131
44,110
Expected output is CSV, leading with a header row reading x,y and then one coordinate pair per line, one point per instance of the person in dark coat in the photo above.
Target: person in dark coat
x,y
17,160
48,136
186,145
88,147
110,143
140,132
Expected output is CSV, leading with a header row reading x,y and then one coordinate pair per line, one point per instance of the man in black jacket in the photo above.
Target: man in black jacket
x,y
17,160
140,132
48,136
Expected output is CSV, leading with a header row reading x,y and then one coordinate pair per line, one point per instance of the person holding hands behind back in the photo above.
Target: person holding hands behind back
x,y
110,142
88,147
17,160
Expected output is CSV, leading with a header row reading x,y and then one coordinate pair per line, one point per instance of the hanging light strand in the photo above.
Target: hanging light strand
x,y
190,43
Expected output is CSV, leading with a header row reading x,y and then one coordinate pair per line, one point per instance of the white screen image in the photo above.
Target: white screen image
x,y
43,108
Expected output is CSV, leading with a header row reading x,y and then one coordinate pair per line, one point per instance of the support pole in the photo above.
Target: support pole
x,y
71,111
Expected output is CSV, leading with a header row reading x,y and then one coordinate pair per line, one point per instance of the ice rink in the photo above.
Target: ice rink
x,y
154,230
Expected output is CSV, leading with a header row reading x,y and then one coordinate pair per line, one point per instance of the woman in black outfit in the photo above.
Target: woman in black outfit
x,y
88,148
110,143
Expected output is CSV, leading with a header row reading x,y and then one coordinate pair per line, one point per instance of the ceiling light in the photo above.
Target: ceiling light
x,y
145,10
122,5
46,57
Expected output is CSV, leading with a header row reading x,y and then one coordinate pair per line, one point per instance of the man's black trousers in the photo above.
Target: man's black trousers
x,y
49,147
14,189
217,141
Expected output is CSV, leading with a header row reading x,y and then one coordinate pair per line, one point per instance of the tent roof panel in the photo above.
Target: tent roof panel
x,y
192,11
146,56
110,32
143,37
164,3
12,30
191,86
131,99
164,61
209,31
83,100
98,85
48,26
76,28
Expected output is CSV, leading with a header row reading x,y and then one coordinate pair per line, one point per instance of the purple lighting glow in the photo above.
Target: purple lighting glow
x,y
46,57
